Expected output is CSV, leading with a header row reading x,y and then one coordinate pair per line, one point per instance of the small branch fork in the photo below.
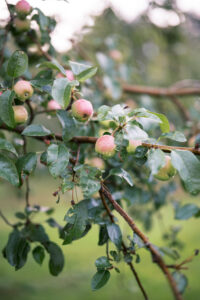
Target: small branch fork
x,y
123,245
155,254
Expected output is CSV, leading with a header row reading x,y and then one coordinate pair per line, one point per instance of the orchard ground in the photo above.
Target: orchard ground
x,y
35,283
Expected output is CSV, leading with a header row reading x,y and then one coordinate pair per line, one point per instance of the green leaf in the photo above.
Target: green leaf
x,y
103,235
186,211
175,136
86,74
43,21
8,170
6,145
164,126
36,130
56,262
188,167
6,110
79,69
12,247
35,233
17,64
16,250
122,174
181,281
68,125
156,160
77,221
38,254
61,91
133,132
100,279
27,163
115,234
170,252
57,159
102,263
20,215
52,65
89,186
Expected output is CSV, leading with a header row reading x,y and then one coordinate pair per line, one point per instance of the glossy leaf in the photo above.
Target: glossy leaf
x,y
8,170
56,262
17,64
186,211
57,159
6,110
38,254
61,91
115,234
100,279
188,167
36,130
175,136
156,160
7,146
122,174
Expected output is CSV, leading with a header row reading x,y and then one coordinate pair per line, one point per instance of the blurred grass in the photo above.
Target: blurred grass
x,y
34,282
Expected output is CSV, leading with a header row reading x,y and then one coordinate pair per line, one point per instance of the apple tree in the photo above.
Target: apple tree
x,y
105,151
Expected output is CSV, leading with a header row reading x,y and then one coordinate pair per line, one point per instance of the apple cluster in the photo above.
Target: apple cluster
x,y
23,9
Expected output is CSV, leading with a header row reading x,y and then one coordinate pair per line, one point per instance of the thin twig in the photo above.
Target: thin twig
x,y
5,219
27,177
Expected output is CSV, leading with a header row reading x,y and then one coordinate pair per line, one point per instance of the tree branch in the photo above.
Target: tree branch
x,y
155,254
123,246
160,92
92,140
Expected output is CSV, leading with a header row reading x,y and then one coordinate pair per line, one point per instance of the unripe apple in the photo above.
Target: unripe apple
x,y
21,25
70,75
23,90
23,8
96,162
115,55
166,172
82,110
105,145
20,114
132,145
53,105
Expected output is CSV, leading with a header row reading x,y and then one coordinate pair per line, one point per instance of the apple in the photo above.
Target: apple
x,y
116,55
96,162
167,171
23,8
105,145
53,105
23,90
21,25
132,145
82,110
69,75
20,114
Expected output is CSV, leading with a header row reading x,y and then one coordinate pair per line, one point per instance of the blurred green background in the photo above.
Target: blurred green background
x,y
34,282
